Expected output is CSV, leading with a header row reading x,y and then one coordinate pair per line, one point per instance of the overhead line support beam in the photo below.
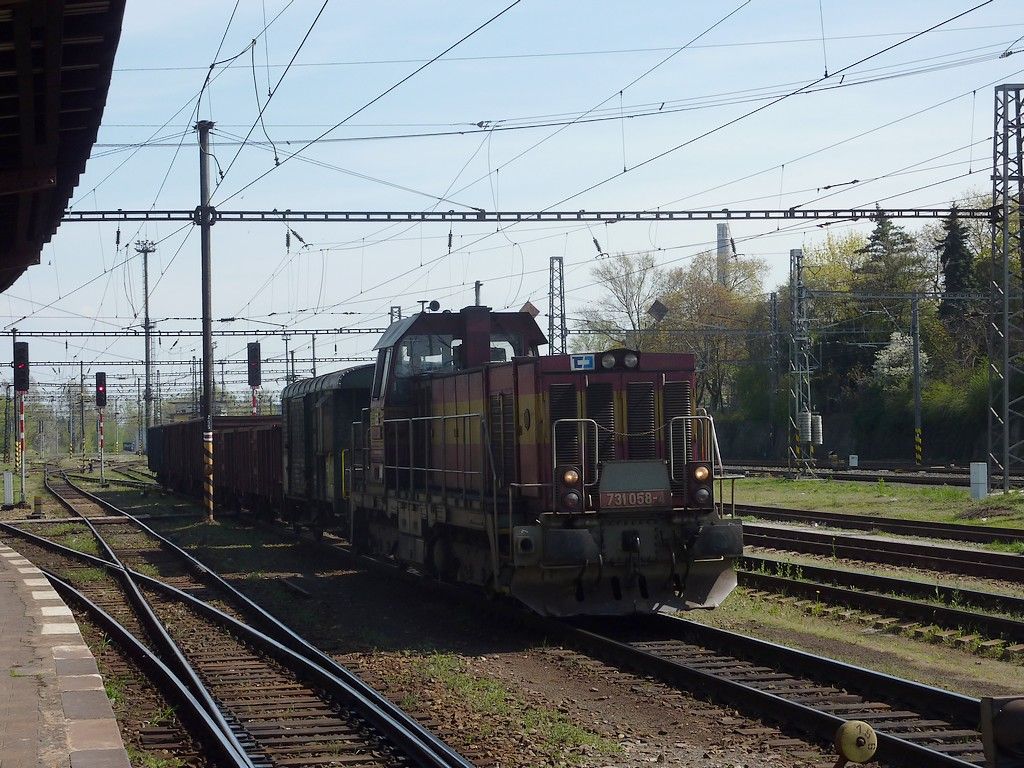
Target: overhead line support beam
x,y
609,217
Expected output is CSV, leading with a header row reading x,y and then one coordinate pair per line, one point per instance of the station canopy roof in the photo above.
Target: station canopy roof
x,y
56,58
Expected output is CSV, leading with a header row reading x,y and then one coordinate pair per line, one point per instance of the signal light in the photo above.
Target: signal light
x,y
255,372
101,390
21,366
568,489
701,489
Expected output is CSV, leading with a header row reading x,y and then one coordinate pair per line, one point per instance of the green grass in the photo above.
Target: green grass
x,y
552,731
83,542
142,759
940,503
147,569
1012,547
926,662
89,574
116,688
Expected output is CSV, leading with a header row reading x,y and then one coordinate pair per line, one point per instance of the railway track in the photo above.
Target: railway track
x,y
909,475
952,531
274,705
917,725
878,549
909,604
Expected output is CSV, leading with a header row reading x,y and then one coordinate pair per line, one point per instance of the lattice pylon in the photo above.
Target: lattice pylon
x,y
557,330
1006,311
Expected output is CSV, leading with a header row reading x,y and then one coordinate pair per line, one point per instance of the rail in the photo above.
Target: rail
x,y
424,747
161,637
189,709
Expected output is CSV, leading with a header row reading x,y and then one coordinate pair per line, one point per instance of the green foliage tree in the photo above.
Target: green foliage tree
x,y
958,276
892,262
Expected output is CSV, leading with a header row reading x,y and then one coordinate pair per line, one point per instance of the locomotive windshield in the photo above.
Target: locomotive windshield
x,y
430,353
424,353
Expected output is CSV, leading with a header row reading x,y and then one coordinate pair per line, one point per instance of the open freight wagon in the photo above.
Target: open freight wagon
x,y
246,460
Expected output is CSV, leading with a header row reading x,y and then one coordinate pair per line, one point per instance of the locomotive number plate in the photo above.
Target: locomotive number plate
x,y
611,499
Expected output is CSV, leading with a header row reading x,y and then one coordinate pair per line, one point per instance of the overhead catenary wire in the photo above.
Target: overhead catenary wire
x,y
379,96
719,127
596,52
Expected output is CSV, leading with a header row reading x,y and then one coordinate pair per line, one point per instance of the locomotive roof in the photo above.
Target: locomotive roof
x,y
453,323
357,377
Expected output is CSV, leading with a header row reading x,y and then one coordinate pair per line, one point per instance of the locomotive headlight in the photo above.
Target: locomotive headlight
x,y
571,477
571,500
702,495
631,360
608,360
700,474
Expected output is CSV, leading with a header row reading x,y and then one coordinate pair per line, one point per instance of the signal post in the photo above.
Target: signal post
x,y
20,390
101,406
255,371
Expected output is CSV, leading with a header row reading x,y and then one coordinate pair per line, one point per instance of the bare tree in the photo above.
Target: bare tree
x,y
632,283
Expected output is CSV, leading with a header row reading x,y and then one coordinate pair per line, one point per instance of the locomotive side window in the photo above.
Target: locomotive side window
x,y
378,372
380,375
505,346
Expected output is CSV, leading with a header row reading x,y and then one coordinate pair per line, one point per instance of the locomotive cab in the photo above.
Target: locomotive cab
x,y
579,484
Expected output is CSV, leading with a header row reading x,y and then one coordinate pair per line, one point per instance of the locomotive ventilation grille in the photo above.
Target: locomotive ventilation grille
x,y
640,420
564,405
678,400
601,408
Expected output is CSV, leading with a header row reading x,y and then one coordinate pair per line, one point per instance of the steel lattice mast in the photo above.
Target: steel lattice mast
x,y
557,331
1006,326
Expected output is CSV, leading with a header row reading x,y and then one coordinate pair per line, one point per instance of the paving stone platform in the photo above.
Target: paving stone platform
x,y
54,712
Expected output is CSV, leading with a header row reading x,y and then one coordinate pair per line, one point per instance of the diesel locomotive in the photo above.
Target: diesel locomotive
x,y
577,484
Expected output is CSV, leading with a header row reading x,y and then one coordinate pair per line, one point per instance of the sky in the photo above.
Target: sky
x,y
569,106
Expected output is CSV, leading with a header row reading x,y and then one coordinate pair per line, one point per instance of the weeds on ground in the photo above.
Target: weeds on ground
x,y
489,696
142,759
89,575
115,687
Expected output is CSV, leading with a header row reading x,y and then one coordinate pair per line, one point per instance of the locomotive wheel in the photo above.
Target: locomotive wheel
x,y
442,563
360,542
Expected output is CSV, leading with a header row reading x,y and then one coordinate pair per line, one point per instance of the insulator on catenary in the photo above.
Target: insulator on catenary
x,y
817,436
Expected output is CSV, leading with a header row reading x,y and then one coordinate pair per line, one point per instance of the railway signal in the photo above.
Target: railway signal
x,y
255,372
20,389
21,366
101,404
101,390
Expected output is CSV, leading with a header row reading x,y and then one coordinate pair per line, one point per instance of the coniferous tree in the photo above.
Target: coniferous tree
x,y
957,267
893,264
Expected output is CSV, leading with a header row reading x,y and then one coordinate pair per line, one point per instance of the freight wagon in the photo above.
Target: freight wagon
x,y
246,460
318,418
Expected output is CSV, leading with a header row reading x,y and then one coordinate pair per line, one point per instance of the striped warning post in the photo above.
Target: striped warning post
x,y
208,474
918,447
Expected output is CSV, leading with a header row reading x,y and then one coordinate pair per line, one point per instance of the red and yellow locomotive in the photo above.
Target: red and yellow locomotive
x,y
579,484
